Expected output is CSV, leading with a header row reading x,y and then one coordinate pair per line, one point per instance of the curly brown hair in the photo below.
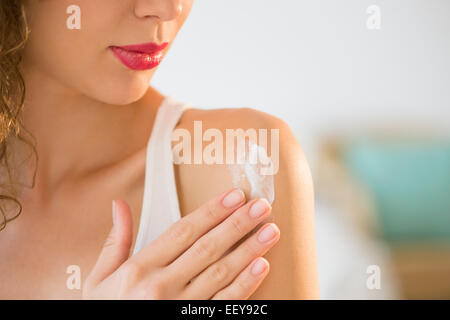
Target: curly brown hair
x,y
14,33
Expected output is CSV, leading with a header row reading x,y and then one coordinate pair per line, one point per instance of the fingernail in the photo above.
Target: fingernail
x,y
233,198
259,267
268,233
114,211
259,208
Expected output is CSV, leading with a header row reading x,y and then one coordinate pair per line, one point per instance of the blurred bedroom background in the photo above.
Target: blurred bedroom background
x,y
365,86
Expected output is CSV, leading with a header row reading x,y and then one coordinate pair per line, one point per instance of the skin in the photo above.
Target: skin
x,y
80,100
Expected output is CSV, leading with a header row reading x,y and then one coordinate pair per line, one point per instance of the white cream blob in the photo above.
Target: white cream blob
x,y
250,174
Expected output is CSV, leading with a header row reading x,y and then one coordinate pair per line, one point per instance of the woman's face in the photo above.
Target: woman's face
x,y
74,47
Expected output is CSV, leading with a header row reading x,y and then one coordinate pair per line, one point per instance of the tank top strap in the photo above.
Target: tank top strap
x,y
160,207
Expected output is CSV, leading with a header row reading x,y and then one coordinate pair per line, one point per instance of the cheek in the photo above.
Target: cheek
x,y
80,58
53,47
187,6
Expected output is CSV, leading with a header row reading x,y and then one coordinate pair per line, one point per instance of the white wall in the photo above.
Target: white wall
x,y
315,63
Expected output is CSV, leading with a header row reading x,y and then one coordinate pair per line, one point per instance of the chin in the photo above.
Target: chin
x,y
123,92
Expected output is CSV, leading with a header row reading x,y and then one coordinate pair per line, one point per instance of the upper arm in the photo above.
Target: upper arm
x,y
293,265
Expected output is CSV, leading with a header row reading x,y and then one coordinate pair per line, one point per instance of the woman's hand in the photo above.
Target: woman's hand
x,y
190,260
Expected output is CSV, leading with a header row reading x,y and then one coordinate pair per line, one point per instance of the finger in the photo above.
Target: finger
x,y
182,234
246,283
116,248
215,243
222,273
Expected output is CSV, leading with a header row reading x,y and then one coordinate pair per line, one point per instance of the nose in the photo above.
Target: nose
x,y
165,10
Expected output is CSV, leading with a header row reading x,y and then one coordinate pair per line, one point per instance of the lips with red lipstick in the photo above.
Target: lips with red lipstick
x,y
140,56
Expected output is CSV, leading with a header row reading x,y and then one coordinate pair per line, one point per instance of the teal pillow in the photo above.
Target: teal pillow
x,y
410,183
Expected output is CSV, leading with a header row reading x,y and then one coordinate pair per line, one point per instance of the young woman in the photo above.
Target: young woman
x,y
86,111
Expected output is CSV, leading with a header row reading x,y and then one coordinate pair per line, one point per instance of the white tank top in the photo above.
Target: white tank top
x,y
160,207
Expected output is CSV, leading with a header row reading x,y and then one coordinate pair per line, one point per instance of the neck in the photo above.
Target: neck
x,y
76,135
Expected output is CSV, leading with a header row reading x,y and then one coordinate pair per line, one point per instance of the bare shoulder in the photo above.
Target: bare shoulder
x,y
228,118
242,118
212,179
293,261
